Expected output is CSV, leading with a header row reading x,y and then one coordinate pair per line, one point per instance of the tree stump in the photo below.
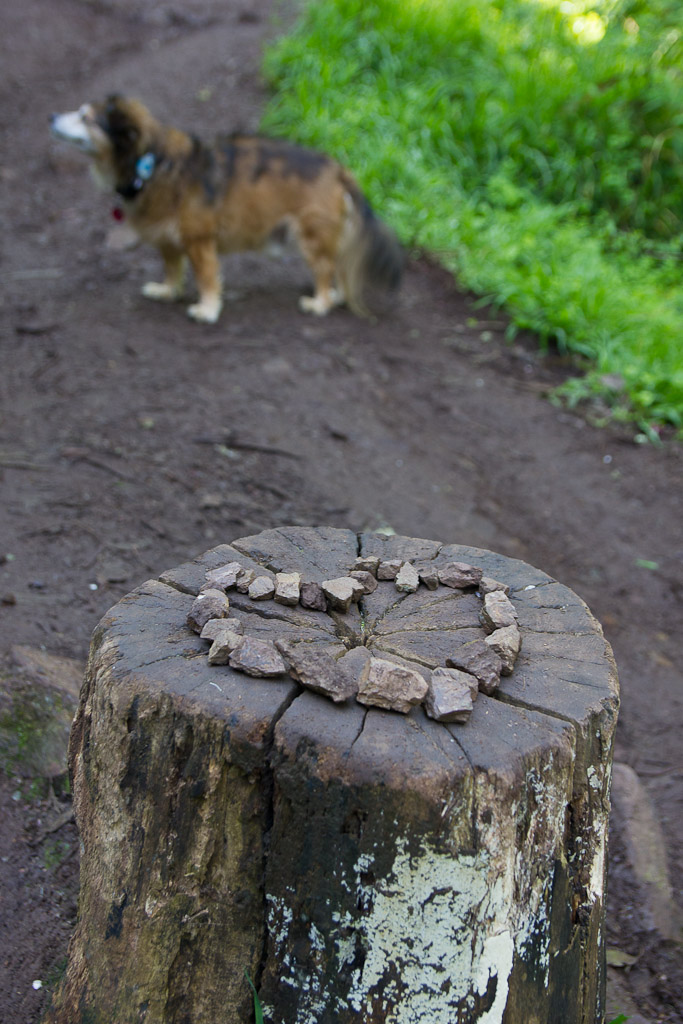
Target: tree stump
x,y
359,864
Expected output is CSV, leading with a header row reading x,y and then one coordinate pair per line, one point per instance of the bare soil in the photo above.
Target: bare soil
x,y
132,438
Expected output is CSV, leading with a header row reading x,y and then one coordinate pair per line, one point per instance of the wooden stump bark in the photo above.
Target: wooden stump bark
x,y
360,864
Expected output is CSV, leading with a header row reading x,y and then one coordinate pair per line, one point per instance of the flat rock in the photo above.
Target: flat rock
x,y
287,586
451,695
479,660
506,642
318,671
366,579
429,577
312,596
498,611
225,576
214,627
459,575
389,569
383,684
487,585
223,646
262,589
342,592
209,604
257,658
407,579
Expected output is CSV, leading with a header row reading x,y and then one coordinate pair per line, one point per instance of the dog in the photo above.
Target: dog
x,y
193,201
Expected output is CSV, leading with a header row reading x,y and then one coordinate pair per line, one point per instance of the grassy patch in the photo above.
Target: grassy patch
x,y
535,147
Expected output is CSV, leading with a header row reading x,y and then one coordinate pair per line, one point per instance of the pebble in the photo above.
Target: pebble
x,y
451,695
224,576
477,658
318,671
262,589
367,563
313,597
245,580
506,642
459,575
366,579
223,646
389,570
341,592
407,579
257,658
214,627
210,604
498,611
384,684
487,585
429,577
287,587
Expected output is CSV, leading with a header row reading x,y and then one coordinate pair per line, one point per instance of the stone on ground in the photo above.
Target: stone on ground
x,y
459,575
506,642
287,586
407,579
477,658
451,695
257,658
383,684
209,604
498,611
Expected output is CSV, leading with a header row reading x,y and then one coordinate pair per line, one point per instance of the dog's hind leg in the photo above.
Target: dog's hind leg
x,y
318,238
171,288
204,260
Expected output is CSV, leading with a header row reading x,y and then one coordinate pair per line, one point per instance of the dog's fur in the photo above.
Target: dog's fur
x,y
193,201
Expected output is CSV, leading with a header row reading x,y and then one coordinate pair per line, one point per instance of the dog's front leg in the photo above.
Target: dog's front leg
x,y
204,259
171,288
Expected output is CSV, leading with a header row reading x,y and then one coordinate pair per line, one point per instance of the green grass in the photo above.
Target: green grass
x,y
538,155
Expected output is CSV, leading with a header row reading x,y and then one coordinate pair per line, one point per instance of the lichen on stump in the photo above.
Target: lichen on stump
x,y
361,865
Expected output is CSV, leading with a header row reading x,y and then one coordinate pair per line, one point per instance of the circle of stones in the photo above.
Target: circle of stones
x,y
449,691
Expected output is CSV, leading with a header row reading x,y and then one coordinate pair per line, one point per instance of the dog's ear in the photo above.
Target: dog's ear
x,y
119,124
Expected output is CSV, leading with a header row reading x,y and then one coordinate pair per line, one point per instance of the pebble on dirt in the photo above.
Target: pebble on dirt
x,y
258,658
210,604
498,611
366,579
389,570
287,587
262,589
313,597
407,579
384,684
487,585
506,642
367,563
459,575
318,671
451,695
223,646
214,627
245,580
429,577
477,658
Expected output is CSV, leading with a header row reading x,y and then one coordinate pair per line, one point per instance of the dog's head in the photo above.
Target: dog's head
x,y
115,134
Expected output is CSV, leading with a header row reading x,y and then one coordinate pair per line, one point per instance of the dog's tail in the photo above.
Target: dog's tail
x,y
370,261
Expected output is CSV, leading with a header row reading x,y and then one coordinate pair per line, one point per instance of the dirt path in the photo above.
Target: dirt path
x,y
131,438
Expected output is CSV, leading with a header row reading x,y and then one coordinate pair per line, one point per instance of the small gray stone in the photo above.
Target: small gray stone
x,y
487,585
225,576
209,604
383,684
341,592
429,577
389,570
479,660
287,586
366,579
407,579
498,611
223,646
312,596
214,627
354,661
506,642
257,658
245,580
318,671
451,695
262,589
459,575
367,563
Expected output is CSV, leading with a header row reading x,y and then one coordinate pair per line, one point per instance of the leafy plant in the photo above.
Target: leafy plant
x,y
535,146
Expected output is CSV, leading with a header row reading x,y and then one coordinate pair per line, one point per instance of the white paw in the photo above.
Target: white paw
x,y
315,304
206,312
159,290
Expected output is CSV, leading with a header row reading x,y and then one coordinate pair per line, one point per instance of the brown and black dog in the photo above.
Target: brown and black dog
x,y
193,201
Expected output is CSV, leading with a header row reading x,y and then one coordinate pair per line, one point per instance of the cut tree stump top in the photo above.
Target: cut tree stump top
x,y
362,864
